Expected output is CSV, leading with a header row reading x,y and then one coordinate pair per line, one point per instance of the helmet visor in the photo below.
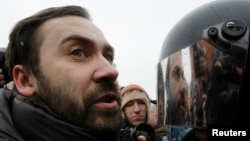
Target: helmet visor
x,y
199,85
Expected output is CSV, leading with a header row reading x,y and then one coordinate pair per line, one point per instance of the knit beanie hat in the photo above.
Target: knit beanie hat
x,y
135,92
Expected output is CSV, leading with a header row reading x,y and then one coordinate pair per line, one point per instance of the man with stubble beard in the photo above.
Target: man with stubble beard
x,y
65,84
177,109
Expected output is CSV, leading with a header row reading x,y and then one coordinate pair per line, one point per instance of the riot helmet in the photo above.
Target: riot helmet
x,y
203,67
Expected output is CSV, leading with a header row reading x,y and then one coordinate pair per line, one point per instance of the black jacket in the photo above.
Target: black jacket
x,y
129,133
126,132
22,121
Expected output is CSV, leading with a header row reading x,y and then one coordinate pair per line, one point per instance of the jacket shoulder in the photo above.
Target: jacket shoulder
x,y
7,128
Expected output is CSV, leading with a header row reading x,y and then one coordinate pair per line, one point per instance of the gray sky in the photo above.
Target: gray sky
x,y
136,28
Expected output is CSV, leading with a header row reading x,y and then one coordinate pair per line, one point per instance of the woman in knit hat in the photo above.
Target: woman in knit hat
x,y
135,109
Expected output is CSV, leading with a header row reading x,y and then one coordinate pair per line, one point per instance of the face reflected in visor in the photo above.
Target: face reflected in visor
x,y
198,85
177,96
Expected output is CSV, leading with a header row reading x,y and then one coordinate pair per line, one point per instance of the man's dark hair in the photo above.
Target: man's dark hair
x,y
23,47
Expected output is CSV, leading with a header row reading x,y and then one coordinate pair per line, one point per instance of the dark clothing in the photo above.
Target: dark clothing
x,y
129,133
126,132
8,131
190,136
22,121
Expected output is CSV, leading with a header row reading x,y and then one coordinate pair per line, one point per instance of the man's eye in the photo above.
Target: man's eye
x,y
109,58
78,53
178,73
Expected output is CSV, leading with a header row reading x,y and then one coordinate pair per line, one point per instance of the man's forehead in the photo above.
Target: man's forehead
x,y
64,26
74,27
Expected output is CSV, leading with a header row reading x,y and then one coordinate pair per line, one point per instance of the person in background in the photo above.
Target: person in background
x,y
160,131
2,81
65,84
153,114
3,78
135,110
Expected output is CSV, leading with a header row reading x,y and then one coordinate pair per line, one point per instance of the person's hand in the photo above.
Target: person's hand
x,y
2,81
141,138
144,132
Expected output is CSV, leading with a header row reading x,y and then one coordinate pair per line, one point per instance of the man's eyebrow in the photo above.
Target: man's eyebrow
x,y
77,38
107,47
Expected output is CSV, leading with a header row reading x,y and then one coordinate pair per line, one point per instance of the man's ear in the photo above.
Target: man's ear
x,y
24,82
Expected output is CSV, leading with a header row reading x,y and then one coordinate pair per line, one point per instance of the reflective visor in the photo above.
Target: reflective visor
x,y
199,85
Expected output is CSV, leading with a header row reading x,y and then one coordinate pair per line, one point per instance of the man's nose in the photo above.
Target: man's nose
x,y
183,85
105,70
